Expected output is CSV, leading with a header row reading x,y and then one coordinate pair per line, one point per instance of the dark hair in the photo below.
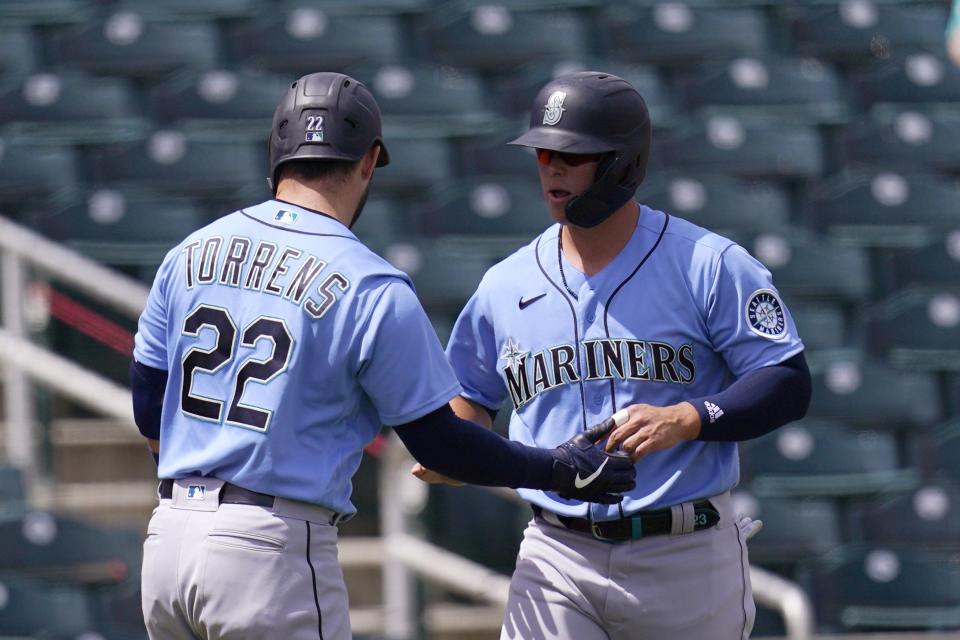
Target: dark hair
x,y
335,171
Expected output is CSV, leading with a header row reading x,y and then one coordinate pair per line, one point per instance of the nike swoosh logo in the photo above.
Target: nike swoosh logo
x,y
580,483
526,303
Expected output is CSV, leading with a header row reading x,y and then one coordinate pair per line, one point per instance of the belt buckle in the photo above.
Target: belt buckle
x,y
598,532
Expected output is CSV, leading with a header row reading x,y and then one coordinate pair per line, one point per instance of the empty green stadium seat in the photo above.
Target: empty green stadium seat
x,y
720,203
937,264
868,393
35,609
793,528
746,147
57,548
229,104
676,33
122,227
301,38
172,162
805,266
821,458
884,588
18,52
865,29
927,517
30,172
486,206
494,37
491,155
445,276
13,497
431,99
884,208
130,43
190,9
415,165
70,107
45,11
383,221
821,325
919,328
785,88
903,137
935,451
917,78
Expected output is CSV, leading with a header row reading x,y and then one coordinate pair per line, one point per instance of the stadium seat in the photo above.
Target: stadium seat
x,y
18,54
793,528
228,104
445,277
295,37
805,267
883,208
867,393
35,609
70,108
13,497
720,203
486,206
121,227
383,221
415,165
129,43
738,146
919,329
491,155
493,37
821,325
917,78
927,517
517,90
676,33
44,545
42,12
822,458
863,30
902,138
935,451
787,89
861,587
937,264
38,173
171,162
428,99
190,9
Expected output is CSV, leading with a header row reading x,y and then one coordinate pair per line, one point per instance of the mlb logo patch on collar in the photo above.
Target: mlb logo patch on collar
x,y
196,491
286,217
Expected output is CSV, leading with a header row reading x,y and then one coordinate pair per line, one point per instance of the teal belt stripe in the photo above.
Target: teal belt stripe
x,y
636,528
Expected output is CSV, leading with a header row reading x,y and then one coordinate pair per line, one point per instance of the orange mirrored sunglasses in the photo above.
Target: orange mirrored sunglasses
x,y
544,156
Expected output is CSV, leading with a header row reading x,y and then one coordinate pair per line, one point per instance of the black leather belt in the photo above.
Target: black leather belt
x,y
229,493
638,525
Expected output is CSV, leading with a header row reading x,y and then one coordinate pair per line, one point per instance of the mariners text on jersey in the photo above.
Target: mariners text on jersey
x,y
286,272
528,375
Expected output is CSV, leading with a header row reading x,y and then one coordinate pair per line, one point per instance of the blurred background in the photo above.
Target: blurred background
x,y
822,135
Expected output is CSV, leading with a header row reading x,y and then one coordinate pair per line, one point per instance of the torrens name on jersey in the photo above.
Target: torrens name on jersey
x,y
528,375
286,272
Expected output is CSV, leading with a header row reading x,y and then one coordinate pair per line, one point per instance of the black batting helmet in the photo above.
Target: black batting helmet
x,y
593,112
325,116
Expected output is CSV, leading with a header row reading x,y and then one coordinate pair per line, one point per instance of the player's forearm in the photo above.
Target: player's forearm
x,y
471,411
757,403
147,386
466,451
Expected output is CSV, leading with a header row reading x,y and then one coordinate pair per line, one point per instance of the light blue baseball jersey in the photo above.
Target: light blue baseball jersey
x,y
288,343
679,314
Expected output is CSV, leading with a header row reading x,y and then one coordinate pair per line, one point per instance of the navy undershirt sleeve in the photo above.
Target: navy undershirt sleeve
x,y
468,452
148,386
757,402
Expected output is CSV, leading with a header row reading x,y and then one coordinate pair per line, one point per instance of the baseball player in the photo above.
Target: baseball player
x,y
621,308
272,348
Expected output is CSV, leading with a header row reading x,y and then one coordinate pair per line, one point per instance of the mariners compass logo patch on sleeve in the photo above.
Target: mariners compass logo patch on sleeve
x,y
765,315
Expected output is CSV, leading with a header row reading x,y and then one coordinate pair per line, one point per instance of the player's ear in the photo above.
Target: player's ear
x,y
369,162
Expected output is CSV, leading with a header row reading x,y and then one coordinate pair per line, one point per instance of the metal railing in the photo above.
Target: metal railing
x,y
404,556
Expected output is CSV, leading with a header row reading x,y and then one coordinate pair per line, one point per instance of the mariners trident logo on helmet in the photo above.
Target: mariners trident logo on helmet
x,y
553,110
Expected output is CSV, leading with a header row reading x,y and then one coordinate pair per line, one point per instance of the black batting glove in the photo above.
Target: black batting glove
x,y
584,471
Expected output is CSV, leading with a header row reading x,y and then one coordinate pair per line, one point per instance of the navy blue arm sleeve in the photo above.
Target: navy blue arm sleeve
x,y
756,403
468,452
147,386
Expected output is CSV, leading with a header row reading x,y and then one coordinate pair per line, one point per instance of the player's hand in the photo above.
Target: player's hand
x,y
649,428
584,471
432,477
